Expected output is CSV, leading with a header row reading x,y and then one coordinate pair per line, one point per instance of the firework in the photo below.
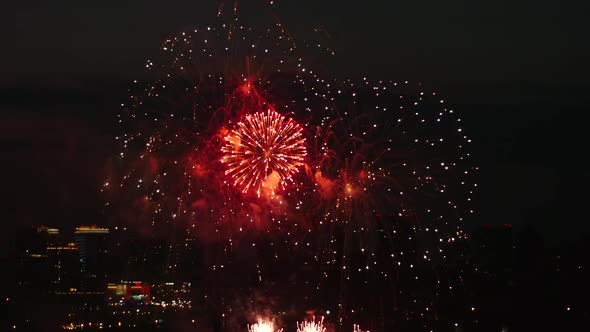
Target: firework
x,y
311,326
265,144
263,326
261,159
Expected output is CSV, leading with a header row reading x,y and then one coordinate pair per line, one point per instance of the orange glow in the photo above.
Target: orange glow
x,y
246,88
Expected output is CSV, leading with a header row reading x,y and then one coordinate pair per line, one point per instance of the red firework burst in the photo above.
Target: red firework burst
x,y
264,151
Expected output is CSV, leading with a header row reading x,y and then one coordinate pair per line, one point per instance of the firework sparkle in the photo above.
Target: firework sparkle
x,y
264,144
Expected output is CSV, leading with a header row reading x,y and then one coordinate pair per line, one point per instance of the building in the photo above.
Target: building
x,y
128,292
64,263
91,243
33,268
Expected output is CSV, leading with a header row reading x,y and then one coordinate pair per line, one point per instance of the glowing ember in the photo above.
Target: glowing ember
x,y
263,152
312,326
263,326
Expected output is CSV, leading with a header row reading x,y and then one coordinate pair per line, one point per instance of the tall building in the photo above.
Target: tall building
x,y
64,264
33,268
91,243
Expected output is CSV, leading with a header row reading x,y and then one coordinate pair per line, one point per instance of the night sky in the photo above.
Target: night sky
x,y
517,71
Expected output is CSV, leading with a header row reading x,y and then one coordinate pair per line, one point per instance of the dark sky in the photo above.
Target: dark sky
x,y
517,71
